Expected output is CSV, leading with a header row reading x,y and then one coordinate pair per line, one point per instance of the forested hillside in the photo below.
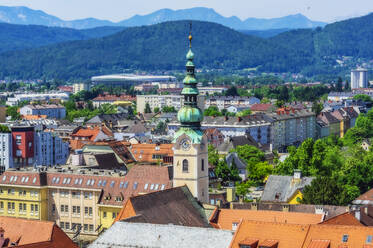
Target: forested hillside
x,y
16,37
163,46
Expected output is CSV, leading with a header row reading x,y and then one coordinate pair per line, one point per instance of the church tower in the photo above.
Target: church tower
x,y
190,145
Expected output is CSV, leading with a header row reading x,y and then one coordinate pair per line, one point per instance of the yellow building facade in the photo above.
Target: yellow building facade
x,y
24,202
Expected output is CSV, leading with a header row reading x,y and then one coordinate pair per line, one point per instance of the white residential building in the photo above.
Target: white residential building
x,y
6,155
359,78
52,111
223,102
161,101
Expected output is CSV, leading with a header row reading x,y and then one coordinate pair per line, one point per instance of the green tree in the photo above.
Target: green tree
x,y
232,91
317,107
339,86
242,189
245,112
12,111
147,108
363,97
156,110
212,111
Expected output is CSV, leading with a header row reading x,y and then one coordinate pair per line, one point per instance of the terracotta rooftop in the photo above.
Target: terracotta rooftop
x,y
343,219
34,117
302,236
261,107
228,218
33,233
152,153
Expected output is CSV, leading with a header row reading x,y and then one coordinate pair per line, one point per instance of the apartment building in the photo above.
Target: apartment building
x,y
291,127
258,126
52,111
23,146
78,200
17,98
160,101
77,87
6,155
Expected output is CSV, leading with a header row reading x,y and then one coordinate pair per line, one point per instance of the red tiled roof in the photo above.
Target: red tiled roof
x,y
34,233
303,236
224,218
114,98
261,107
319,244
342,219
144,152
91,132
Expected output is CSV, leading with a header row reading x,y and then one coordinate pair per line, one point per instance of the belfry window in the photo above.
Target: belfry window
x,y
185,165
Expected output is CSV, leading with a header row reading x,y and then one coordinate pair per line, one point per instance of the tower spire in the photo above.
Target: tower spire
x,y
190,115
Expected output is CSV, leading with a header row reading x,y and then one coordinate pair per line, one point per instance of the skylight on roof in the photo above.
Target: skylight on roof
x,y
26,179
146,186
121,185
34,180
89,182
104,183
53,179
23,180
152,186
112,183
68,180
162,187
4,178
76,181
156,186
135,185
80,181
58,180
15,179
64,180
99,183
92,182
125,185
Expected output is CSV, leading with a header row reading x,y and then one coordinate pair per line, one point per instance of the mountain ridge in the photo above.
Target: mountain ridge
x,y
24,15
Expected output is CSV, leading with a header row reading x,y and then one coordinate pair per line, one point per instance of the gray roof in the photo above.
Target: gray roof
x,y
141,235
114,118
234,157
281,188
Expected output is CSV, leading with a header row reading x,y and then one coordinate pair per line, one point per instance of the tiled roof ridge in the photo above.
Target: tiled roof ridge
x,y
156,192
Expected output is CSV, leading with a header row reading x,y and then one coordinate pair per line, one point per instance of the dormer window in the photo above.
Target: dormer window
x,y
345,238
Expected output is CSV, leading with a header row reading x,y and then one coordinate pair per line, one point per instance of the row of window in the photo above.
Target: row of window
x,y
76,226
74,194
21,192
22,208
88,211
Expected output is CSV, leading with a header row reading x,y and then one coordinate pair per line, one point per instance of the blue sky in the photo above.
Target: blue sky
x,y
115,10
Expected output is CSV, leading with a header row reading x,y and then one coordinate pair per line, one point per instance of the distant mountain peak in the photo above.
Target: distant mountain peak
x,y
25,15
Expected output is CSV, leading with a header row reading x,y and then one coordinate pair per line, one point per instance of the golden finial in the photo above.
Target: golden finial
x,y
190,34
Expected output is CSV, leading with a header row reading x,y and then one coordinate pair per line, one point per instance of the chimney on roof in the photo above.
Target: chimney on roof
x,y
225,118
239,118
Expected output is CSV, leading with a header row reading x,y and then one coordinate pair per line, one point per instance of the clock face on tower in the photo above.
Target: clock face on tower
x,y
185,144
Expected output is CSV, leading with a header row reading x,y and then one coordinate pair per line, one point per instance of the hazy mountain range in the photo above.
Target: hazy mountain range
x,y
26,16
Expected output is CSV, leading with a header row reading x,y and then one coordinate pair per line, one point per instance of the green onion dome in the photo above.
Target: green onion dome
x,y
189,114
